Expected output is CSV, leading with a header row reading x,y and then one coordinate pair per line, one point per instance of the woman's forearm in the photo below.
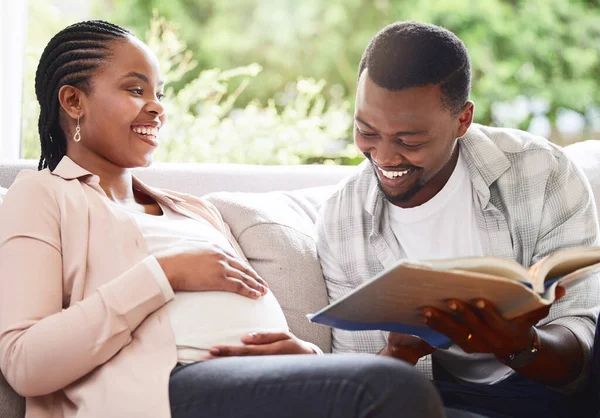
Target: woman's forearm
x,y
44,347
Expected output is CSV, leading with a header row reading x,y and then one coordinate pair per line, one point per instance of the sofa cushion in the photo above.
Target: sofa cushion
x,y
276,231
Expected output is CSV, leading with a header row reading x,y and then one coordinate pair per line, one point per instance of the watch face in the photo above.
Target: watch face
x,y
523,358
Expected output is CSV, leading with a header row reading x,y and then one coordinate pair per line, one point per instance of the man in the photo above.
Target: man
x,y
434,185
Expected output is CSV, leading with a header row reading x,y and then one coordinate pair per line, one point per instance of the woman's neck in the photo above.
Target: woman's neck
x,y
117,182
117,186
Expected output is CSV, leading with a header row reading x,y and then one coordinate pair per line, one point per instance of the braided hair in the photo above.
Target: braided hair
x,y
70,58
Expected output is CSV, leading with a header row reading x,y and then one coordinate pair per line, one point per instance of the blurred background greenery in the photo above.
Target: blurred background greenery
x,y
273,81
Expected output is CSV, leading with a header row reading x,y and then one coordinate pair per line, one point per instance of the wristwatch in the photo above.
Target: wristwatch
x,y
522,358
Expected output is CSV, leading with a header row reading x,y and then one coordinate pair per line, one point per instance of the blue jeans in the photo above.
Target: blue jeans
x,y
515,397
304,386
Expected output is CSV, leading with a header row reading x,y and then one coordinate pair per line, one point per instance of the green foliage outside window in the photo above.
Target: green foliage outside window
x,y
269,103
204,123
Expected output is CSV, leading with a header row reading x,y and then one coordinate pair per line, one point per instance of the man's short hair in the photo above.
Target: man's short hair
x,y
412,54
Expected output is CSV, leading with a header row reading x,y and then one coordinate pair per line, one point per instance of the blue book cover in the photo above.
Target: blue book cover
x,y
434,338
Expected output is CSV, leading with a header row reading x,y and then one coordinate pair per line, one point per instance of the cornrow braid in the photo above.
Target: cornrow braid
x,y
70,58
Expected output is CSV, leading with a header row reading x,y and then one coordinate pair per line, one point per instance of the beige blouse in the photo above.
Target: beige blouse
x,y
84,329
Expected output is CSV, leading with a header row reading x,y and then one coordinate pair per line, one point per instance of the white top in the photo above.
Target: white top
x,y
201,320
441,228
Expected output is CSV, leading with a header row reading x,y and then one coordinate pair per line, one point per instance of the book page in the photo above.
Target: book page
x,y
399,295
567,279
508,269
563,263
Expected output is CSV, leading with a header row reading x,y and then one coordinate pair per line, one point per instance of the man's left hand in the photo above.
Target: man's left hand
x,y
264,344
478,327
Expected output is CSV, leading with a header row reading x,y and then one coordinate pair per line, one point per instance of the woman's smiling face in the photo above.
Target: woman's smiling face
x,y
122,114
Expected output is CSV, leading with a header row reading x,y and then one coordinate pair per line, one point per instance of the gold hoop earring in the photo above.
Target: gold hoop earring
x,y
77,136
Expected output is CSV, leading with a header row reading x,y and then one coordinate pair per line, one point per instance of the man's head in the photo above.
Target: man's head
x,y
411,106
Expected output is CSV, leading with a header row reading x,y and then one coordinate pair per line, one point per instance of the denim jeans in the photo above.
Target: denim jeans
x,y
515,397
302,386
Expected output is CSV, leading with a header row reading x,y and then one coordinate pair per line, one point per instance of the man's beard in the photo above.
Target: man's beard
x,y
403,198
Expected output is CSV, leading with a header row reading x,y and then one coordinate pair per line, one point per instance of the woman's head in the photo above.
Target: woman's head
x,y
100,76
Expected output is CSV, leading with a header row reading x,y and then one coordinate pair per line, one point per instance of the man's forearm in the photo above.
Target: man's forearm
x,y
560,358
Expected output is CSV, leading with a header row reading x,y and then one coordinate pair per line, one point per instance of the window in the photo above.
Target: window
x,y
13,17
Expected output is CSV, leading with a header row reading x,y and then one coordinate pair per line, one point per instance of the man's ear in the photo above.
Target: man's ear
x,y
465,119
71,100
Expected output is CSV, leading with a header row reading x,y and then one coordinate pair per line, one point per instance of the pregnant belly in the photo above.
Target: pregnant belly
x,y
201,320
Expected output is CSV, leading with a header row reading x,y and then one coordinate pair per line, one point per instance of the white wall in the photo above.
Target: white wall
x,y
13,30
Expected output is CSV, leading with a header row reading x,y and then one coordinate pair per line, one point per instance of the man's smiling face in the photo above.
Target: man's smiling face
x,y
409,137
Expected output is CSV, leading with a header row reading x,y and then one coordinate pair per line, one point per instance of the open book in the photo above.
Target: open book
x,y
391,301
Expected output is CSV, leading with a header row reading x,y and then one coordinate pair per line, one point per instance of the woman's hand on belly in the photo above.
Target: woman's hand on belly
x,y
264,344
205,266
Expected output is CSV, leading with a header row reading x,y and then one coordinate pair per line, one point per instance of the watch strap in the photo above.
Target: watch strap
x,y
522,358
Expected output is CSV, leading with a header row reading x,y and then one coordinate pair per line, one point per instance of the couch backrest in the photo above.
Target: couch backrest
x,y
201,179
276,232
587,155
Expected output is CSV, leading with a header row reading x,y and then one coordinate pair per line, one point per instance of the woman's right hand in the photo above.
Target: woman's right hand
x,y
205,266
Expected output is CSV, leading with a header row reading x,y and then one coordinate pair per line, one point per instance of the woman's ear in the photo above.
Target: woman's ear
x,y
71,100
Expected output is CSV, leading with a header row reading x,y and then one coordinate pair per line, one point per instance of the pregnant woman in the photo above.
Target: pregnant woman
x,y
116,298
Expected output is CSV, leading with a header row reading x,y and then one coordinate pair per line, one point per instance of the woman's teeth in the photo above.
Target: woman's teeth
x,y
150,131
393,174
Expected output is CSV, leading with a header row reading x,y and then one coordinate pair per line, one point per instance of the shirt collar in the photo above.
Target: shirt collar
x,y
375,198
483,155
485,160
70,170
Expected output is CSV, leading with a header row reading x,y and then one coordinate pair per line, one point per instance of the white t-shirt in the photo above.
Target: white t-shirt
x,y
201,320
441,228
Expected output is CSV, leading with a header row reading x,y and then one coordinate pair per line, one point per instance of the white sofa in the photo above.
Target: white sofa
x,y
273,222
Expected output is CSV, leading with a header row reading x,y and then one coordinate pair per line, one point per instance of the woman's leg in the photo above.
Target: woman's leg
x,y
343,386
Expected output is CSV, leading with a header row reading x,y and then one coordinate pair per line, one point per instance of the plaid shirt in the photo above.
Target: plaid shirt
x,y
530,201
